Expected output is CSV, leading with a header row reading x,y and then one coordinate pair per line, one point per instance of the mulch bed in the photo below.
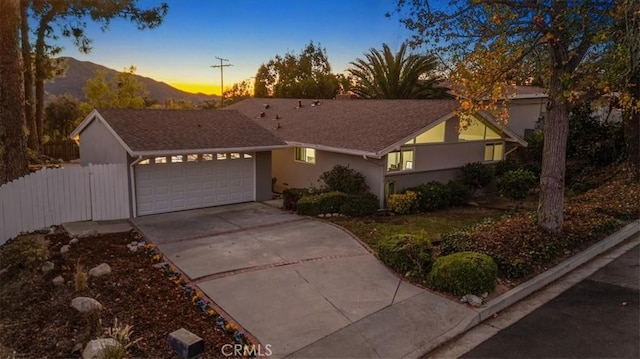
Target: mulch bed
x,y
36,319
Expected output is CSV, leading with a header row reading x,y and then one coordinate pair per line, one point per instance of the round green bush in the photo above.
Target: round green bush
x,y
476,175
361,205
406,254
344,179
464,273
431,196
516,184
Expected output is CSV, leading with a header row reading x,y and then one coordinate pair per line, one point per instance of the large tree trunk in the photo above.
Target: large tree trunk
x,y
13,156
33,141
41,75
556,130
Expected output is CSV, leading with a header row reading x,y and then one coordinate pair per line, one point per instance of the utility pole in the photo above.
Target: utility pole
x,y
221,66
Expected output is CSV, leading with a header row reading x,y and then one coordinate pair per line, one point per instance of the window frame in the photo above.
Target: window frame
x,y
402,161
303,158
493,145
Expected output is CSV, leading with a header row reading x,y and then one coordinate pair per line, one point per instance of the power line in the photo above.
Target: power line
x,y
221,66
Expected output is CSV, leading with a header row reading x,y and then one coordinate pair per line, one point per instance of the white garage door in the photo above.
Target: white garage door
x,y
175,183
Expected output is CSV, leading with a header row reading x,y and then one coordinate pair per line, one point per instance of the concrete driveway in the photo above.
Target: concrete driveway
x,y
288,280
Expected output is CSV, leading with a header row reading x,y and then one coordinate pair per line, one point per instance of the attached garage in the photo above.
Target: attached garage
x,y
182,159
206,181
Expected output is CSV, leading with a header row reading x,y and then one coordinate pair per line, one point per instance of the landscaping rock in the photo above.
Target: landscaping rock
x,y
159,265
463,299
100,270
65,249
133,246
95,348
473,204
328,215
48,266
336,214
474,300
321,215
85,304
74,241
58,281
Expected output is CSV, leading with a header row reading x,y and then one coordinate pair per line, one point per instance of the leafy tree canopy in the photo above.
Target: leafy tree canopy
x,y
400,75
123,91
63,115
238,92
307,75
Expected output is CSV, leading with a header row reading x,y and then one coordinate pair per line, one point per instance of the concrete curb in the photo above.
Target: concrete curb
x,y
527,288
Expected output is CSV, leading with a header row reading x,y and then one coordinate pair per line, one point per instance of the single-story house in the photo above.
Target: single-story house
x,y
395,143
182,159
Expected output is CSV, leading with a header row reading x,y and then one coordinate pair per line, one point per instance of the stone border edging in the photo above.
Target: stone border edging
x,y
532,285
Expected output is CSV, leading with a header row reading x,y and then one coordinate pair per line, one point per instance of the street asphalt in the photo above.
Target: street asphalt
x,y
598,317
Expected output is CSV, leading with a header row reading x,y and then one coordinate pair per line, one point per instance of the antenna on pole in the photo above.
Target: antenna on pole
x,y
221,66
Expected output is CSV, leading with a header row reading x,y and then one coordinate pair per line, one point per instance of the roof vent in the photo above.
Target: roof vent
x,y
299,104
262,114
279,127
266,106
277,117
315,103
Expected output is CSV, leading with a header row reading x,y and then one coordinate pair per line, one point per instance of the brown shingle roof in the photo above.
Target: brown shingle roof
x,y
147,130
369,126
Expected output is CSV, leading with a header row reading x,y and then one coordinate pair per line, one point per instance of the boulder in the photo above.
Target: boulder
x,y
48,266
474,300
74,241
100,270
65,249
95,348
85,304
57,281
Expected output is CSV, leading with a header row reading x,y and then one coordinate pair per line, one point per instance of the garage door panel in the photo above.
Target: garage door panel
x,y
170,187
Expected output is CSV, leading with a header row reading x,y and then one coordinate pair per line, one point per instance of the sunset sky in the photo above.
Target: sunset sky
x,y
247,32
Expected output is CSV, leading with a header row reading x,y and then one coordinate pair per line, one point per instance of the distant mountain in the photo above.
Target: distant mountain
x,y
78,72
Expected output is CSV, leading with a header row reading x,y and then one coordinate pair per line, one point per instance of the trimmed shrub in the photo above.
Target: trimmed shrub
x,y
360,205
328,202
516,184
291,196
454,240
458,193
476,175
403,203
406,254
504,166
25,251
464,273
344,179
431,196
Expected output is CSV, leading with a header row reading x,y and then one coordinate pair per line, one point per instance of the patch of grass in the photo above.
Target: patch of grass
x,y
427,226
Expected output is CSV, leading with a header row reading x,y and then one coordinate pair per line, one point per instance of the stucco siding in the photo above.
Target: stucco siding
x,y
290,173
263,176
447,155
407,180
99,146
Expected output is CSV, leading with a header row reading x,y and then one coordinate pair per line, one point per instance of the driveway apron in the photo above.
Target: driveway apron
x,y
288,280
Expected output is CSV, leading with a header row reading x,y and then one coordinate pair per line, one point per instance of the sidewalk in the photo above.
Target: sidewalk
x,y
414,327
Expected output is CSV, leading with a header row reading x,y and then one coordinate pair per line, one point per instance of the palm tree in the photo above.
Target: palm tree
x,y
393,76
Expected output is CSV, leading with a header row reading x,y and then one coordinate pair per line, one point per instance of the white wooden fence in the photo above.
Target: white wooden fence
x,y
54,196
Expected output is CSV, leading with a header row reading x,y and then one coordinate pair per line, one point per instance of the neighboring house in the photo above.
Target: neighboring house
x,y
527,110
182,159
395,143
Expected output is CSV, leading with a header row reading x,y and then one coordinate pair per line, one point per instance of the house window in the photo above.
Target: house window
x,y
160,160
400,160
207,157
478,131
144,162
176,159
221,156
434,135
246,155
234,156
192,158
305,154
493,152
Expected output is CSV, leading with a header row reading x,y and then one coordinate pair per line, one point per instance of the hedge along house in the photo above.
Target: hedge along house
x,y
182,159
395,143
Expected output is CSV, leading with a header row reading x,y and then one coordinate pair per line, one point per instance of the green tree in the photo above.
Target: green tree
x,y
488,41
13,141
123,91
400,75
307,75
56,18
63,115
